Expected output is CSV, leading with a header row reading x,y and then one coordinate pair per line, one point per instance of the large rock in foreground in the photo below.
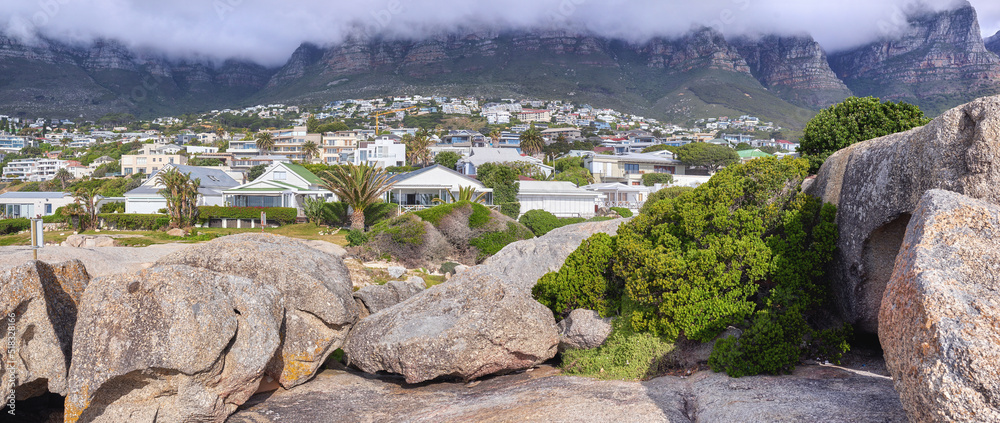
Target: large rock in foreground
x,y
315,288
810,394
940,319
472,326
38,302
170,343
876,185
482,321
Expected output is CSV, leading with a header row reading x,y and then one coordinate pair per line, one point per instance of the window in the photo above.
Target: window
x,y
279,176
665,169
48,209
631,168
140,161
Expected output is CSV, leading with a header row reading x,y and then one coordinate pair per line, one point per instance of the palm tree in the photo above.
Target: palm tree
x,y
418,147
87,200
465,194
181,193
265,142
531,141
65,142
63,175
359,186
310,149
495,136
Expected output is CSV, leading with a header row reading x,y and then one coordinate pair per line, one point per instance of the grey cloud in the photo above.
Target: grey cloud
x,y
267,32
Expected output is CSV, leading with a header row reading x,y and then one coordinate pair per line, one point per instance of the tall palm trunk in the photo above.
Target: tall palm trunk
x,y
358,220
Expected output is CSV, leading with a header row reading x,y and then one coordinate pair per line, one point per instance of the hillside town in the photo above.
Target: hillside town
x,y
621,154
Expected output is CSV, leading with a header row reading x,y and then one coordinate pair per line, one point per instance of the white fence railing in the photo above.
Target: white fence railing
x,y
634,205
418,207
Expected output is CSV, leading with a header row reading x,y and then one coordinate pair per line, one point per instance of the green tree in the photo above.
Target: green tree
x,y
531,141
651,179
855,120
86,201
447,159
311,150
503,179
659,147
314,209
464,194
265,142
743,146
418,148
63,176
181,193
255,172
359,186
711,156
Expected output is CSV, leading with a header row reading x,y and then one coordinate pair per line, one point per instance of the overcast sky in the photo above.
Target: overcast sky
x,y
269,31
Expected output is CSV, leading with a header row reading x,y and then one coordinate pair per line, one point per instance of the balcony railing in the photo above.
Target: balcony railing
x,y
633,205
418,207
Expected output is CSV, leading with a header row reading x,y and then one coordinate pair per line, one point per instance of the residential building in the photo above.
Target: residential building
x,y
151,158
101,161
534,115
418,189
281,185
384,151
199,149
463,138
482,155
569,133
337,147
629,168
288,142
31,204
613,194
33,170
560,198
245,163
146,199
243,148
13,144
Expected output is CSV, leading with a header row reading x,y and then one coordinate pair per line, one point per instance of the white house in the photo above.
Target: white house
x,y
614,194
31,204
482,155
384,151
418,189
146,198
281,185
560,198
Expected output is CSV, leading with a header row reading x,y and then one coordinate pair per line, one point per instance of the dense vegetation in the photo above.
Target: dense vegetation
x,y
746,249
855,120
502,178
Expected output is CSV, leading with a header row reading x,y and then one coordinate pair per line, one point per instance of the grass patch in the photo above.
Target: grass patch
x,y
625,355
480,214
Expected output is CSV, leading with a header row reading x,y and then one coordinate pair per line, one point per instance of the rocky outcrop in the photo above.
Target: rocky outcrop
x,y
794,67
810,394
939,53
88,241
877,184
704,48
583,329
376,298
315,288
171,343
305,56
39,303
523,263
472,326
482,321
940,319
993,43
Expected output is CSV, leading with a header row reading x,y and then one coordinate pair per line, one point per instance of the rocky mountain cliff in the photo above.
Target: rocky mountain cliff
x,y
940,61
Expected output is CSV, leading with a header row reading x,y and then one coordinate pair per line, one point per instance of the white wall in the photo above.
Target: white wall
x,y
576,206
144,205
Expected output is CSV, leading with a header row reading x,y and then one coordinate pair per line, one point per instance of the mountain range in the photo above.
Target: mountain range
x,y
939,62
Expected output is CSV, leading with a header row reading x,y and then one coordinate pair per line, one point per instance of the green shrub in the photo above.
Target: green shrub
x,y
116,206
623,212
540,222
479,218
379,212
356,237
335,214
13,226
134,222
665,193
448,267
283,215
53,219
600,219
625,355
650,179
583,281
491,243
405,229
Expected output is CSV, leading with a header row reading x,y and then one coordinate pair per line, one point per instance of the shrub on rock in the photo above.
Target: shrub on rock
x,y
540,222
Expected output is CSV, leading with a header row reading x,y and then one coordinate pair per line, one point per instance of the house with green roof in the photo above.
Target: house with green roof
x,y
281,185
747,155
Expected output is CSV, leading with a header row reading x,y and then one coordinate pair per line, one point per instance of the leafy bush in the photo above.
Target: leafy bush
x,y
625,354
335,214
448,267
540,222
13,226
650,179
491,243
116,206
479,218
314,209
134,222
502,177
356,237
447,159
623,212
584,281
665,193
283,215
380,211
747,246
855,120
